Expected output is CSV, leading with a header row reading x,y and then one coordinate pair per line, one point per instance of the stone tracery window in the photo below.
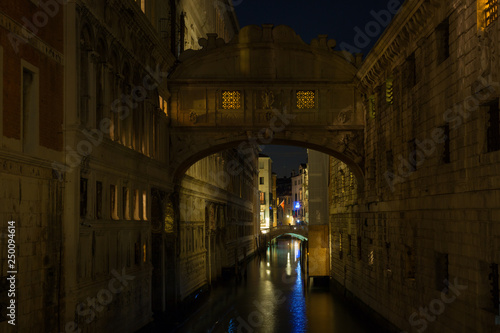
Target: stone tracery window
x,y
231,100
305,99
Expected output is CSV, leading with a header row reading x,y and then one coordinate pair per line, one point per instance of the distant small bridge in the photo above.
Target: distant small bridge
x,y
299,231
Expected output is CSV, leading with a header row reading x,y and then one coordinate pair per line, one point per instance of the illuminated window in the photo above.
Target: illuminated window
x,y
370,258
231,100
136,205
142,3
144,248
490,12
144,206
389,92
163,105
262,198
305,99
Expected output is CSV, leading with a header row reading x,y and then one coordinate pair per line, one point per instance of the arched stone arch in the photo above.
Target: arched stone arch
x,y
199,150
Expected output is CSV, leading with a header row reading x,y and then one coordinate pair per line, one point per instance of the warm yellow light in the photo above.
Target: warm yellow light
x,y
490,12
231,100
305,99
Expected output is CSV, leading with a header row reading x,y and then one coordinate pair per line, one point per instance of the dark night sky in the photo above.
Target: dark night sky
x,y
337,19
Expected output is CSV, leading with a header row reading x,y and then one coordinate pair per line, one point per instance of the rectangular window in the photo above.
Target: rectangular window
x,y
412,70
442,272
126,203
231,100
493,132
113,202
446,155
163,105
494,287
261,180
410,263
490,11
98,200
443,41
30,125
144,206
305,99
83,197
348,245
262,198
412,148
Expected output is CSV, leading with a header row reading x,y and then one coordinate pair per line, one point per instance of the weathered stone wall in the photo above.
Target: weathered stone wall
x,y
33,200
429,207
217,223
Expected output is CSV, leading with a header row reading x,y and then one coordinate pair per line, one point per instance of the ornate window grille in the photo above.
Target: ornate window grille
x,y
231,100
490,12
305,99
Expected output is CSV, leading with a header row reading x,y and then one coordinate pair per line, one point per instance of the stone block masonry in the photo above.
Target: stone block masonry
x,y
426,217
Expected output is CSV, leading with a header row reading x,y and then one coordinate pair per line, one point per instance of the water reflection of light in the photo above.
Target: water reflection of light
x,y
297,300
288,265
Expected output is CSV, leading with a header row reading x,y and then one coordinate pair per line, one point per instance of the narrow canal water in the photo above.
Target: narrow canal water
x,y
274,297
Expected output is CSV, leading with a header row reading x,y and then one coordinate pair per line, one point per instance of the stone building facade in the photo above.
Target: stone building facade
x,y
300,195
84,148
265,192
218,218
31,137
417,244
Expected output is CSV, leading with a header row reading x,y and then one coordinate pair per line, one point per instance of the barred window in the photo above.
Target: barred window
x,y
389,92
490,12
305,99
231,100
